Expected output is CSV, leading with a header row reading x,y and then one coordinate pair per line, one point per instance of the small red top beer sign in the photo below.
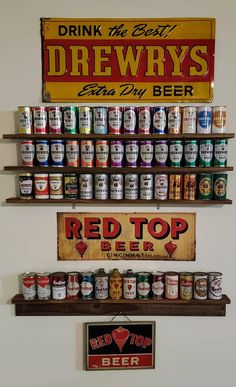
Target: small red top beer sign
x,y
114,236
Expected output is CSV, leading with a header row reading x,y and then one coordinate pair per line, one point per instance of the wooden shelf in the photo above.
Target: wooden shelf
x,y
111,307
115,137
18,200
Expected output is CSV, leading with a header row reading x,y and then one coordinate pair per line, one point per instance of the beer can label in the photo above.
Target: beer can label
x,y
146,153
86,186
87,154
204,120
205,153
25,120
176,153
115,287
26,186
40,120
85,120
220,186
215,286
190,153
174,121
189,122
73,289
41,186
42,153
171,287
71,186
143,289
27,153
72,153
129,121
102,154
69,116
101,186
131,153
161,187
116,186
146,187
101,288
56,186
161,153
220,153
144,120
218,119
200,287
86,289
100,120
117,153
115,120
205,187
131,186
129,288
57,153
44,287
158,289
29,289
59,292
55,120
159,120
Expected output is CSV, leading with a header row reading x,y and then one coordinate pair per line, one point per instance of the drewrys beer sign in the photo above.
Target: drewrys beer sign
x,y
120,345
121,236
142,60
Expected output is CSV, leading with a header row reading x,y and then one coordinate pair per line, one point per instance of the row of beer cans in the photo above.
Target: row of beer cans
x,y
118,120
115,154
129,285
130,186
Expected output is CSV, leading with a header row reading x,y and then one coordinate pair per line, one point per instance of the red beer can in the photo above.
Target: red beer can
x,y
73,284
40,119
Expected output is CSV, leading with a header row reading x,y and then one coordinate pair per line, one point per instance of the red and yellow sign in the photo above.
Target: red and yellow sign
x,y
135,60
99,236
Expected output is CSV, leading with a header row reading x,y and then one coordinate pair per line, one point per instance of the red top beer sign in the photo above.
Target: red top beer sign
x,y
142,60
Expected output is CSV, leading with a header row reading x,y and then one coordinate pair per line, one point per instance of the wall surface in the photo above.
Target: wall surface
x,y
48,351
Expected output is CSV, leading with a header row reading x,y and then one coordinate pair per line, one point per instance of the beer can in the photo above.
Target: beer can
x,y
115,119
87,153
131,153
85,119
215,285
190,153
175,187
158,284
70,186
219,119
56,186
146,154
86,186
146,186
72,153
220,186
70,119
115,285
131,186
55,119
186,286
143,285
73,285
27,150
41,186
159,120
220,153
43,280
25,119
57,153
199,286
101,285
161,153
87,285
144,120
59,285
190,186
100,120
171,285
117,154
174,120
189,119
26,185
161,187
204,117
116,186
101,186
176,153
130,120
42,153
129,285
102,153
29,285
205,153
205,186
40,119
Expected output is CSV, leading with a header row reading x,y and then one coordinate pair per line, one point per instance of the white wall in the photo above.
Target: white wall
x,y
47,351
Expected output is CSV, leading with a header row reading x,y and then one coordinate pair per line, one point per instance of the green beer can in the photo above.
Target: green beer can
x,y
70,119
220,153
176,153
205,186
143,285
205,153
190,153
220,186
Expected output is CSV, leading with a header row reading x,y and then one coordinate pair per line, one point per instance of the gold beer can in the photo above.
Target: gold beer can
x,y
115,284
190,186
175,187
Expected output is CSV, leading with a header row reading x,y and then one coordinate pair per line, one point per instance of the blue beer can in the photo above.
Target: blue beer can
x,y
100,120
87,285
42,153
159,120
57,153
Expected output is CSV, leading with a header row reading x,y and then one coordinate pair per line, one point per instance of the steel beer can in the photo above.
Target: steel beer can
x,y
29,285
171,285
190,186
25,119
101,186
219,119
57,153
161,187
41,186
205,186
175,187
131,186
159,120
43,280
102,153
27,150
204,116
87,285
161,153
129,285
72,153
176,153
174,120
40,119
144,120
56,185
146,186
131,153
85,119
87,153
115,119
101,285
117,154
158,285
59,285
143,285
205,153
70,119
42,153
73,285
199,286
130,120
115,285
220,153
116,186
190,153
26,185
55,119
220,186
214,286
186,286
70,186
100,120
146,154
86,186
189,119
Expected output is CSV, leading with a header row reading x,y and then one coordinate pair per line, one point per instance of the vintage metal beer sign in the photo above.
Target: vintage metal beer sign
x,y
121,236
142,60
120,345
